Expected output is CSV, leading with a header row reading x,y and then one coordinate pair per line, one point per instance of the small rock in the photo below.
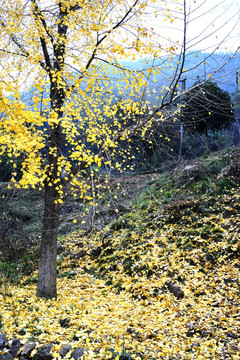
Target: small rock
x,y
224,172
43,353
156,292
195,344
190,167
175,290
3,341
79,255
190,325
72,273
15,347
205,333
96,252
231,335
77,353
64,350
28,348
6,356
190,333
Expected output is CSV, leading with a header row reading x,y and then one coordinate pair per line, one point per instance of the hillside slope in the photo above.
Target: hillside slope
x,y
160,281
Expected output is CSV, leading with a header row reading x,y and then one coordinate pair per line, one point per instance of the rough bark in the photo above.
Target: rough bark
x,y
47,275
47,286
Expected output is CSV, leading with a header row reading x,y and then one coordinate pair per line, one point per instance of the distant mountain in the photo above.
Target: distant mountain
x,y
223,67
197,66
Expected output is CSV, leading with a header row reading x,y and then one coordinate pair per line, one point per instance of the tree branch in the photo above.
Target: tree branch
x,y
99,41
15,40
120,22
25,53
177,76
39,15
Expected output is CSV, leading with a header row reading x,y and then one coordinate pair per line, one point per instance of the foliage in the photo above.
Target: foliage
x,y
236,99
70,123
7,168
207,106
8,275
90,109
20,212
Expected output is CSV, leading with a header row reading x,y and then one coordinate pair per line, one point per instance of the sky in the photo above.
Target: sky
x,y
211,25
216,23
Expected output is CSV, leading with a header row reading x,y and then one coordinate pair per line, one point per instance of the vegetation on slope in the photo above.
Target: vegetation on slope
x,y
160,281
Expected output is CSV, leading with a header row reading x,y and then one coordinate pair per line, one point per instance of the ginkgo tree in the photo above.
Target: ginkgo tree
x,y
69,55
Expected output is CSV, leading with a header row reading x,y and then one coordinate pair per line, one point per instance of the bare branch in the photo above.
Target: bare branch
x,y
39,15
99,41
15,40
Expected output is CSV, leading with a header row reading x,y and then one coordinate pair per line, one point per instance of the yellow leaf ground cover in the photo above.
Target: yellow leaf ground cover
x,y
117,302
99,319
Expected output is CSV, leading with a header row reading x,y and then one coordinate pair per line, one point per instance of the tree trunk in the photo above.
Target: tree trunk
x,y
47,275
180,143
206,139
238,128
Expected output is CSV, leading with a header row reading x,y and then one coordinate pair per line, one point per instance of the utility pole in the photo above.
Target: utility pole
x,y
183,81
237,106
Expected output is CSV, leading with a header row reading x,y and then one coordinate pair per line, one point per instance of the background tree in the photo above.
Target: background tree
x,y
236,105
207,107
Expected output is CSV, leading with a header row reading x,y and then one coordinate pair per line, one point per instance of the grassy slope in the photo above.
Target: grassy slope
x,y
160,281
